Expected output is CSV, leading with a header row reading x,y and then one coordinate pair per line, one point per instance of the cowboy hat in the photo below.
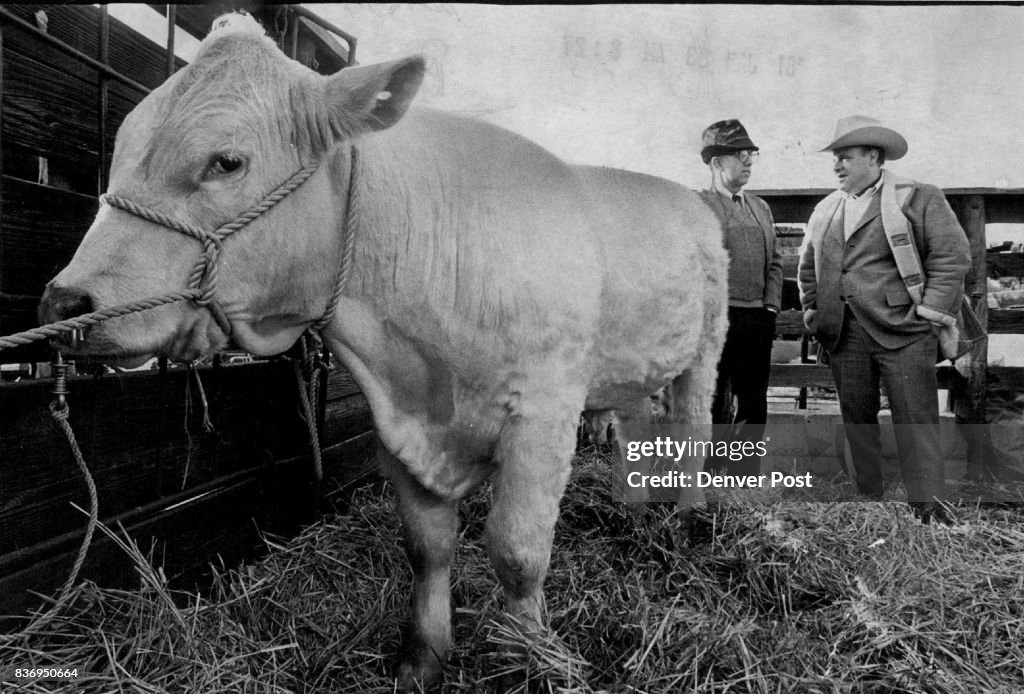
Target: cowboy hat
x,y
852,131
725,137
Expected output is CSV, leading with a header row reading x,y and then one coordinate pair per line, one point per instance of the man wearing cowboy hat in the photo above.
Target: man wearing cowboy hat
x,y
861,309
755,292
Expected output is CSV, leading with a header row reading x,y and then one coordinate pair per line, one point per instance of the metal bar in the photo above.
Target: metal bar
x,y
293,44
4,296
172,24
104,99
348,38
40,189
1,154
805,358
6,16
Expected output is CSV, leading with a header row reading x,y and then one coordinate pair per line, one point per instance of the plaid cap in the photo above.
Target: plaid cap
x,y
724,137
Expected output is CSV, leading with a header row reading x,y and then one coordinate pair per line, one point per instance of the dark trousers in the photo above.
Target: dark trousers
x,y
859,365
743,373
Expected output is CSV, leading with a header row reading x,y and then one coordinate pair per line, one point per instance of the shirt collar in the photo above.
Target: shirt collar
x,y
728,196
867,192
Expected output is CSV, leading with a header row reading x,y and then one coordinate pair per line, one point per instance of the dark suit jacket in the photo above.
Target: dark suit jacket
x,y
861,272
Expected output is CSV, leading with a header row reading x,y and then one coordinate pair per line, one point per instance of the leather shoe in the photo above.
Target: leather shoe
x,y
928,511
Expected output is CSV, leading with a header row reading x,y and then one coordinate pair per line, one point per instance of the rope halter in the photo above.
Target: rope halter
x,y
202,283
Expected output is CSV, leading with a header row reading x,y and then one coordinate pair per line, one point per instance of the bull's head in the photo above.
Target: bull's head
x,y
203,148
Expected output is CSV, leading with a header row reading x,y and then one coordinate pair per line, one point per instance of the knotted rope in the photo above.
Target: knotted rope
x,y
203,280
312,343
86,320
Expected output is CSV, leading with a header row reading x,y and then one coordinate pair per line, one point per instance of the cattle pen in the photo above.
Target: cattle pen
x,y
200,463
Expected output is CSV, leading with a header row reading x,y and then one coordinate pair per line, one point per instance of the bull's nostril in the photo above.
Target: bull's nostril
x,y
61,303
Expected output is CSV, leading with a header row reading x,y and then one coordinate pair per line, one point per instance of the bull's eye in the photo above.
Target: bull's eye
x,y
225,164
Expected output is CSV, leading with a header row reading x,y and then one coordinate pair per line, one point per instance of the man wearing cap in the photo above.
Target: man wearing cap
x,y
860,307
755,292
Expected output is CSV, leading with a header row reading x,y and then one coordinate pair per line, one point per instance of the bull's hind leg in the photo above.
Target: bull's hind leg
x,y
636,427
688,422
429,524
533,463
689,395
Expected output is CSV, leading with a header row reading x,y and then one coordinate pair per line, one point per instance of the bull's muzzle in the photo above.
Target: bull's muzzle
x,y
60,303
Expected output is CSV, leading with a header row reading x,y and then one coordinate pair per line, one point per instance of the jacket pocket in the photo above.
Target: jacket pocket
x,y
898,297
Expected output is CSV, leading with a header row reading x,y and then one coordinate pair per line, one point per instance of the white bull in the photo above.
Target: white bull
x,y
495,291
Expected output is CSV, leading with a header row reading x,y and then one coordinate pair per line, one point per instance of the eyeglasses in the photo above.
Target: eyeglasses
x,y
746,156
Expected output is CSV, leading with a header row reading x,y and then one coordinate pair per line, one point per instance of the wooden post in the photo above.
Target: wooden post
x,y
104,101
293,44
970,394
172,24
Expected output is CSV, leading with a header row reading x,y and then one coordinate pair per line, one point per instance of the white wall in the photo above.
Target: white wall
x,y
633,86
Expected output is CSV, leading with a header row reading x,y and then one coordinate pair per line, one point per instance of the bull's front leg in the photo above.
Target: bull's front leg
x,y
534,458
429,524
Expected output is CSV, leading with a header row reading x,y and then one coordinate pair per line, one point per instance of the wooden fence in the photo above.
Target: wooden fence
x,y
68,77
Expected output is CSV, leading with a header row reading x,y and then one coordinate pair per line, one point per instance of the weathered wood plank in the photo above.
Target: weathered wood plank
x,y
800,375
130,53
52,103
1005,207
998,264
224,525
347,417
1006,321
49,100
790,323
41,229
347,465
142,437
1005,264
789,207
340,383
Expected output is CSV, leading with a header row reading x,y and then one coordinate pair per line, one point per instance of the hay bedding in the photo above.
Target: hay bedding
x,y
775,595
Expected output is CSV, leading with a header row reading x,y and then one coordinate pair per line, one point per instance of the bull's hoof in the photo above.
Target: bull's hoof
x,y
418,671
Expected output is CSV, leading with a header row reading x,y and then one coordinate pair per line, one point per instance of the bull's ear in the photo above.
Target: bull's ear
x,y
374,97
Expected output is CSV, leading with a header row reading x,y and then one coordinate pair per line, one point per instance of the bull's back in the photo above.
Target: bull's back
x,y
663,262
